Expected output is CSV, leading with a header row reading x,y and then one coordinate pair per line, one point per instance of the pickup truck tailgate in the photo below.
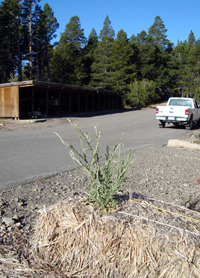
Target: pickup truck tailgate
x,y
172,111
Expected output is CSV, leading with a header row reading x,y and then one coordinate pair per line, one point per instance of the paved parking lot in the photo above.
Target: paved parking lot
x,y
32,153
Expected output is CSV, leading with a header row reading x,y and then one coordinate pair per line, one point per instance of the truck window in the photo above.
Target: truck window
x,y
180,102
188,103
173,102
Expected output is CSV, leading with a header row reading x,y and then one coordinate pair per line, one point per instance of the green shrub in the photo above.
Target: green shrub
x,y
106,176
141,93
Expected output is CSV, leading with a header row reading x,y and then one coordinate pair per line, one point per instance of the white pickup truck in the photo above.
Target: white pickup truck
x,y
179,111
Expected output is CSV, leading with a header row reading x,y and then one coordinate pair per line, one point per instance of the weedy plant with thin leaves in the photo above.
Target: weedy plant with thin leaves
x,y
106,176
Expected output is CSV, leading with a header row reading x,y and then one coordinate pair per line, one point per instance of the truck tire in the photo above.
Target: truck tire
x,y
188,126
162,124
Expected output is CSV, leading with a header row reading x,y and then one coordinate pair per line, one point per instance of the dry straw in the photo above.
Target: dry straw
x,y
77,241
143,238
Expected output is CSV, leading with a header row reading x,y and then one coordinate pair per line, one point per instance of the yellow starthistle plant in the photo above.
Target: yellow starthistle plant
x,y
106,176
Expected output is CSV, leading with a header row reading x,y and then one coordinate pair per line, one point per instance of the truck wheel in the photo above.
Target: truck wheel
x,y
162,124
189,125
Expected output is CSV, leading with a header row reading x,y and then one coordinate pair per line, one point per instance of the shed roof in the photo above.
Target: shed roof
x,y
50,85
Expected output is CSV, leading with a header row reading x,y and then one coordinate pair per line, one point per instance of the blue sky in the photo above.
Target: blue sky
x,y
132,16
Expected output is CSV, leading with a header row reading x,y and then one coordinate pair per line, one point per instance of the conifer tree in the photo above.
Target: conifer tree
x,y
87,56
160,51
158,33
123,66
73,34
191,40
66,66
30,10
192,69
10,58
176,68
50,25
102,65
139,39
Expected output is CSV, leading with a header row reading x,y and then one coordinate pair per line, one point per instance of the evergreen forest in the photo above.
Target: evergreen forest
x,y
147,68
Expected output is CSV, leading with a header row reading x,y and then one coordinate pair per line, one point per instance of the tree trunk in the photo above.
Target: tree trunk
x,y
30,43
47,58
19,53
42,63
37,62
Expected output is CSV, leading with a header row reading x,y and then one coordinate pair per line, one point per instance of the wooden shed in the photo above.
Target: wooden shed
x,y
36,98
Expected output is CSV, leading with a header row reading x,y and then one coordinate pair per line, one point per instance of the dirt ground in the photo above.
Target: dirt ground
x,y
12,124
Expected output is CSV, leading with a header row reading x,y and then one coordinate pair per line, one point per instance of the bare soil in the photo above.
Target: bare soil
x,y
12,124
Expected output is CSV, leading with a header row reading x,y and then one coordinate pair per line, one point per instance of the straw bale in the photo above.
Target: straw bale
x,y
142,238
146,239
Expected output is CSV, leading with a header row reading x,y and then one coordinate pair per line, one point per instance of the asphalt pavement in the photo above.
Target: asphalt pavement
x,y
31,154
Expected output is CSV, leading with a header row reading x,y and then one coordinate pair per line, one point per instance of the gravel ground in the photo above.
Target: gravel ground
x,y
158,172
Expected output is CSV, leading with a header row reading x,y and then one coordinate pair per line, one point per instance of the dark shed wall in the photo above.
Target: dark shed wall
x,y
35,98
9,102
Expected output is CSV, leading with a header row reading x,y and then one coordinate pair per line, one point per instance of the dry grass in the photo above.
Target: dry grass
x,y
147,239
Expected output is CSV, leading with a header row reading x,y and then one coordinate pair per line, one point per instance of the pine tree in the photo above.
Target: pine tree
x,y
37,41
191,40
102,65
50,25
160,51
9,40
158,33
123,67
66,66
74,34
139,39
87,57
30,11
142,37
176,68
193,70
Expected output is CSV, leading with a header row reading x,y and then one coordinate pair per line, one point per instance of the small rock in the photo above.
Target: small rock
x,y
197,206
187,205
3,227
194,137
8,221
28,227
15,217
